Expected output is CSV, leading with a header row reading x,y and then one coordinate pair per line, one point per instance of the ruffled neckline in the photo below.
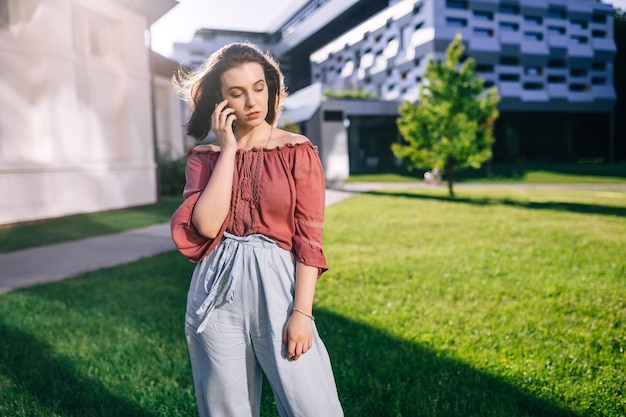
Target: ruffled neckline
x,y
276,149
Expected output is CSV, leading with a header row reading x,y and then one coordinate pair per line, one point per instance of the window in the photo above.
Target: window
x,y
533,20
483,32
456,4
367,59
509,60
456,22
578,88
348,68
556,79
532,86
556,30
92,35
599,18
578,72
598,33
419,25
333,116
484,68
533,70
533,36
509,77
556,12
598,65
580,24
598,81
509,9
509,26
481,15
5,16
393,46
581,40
556,63
488,84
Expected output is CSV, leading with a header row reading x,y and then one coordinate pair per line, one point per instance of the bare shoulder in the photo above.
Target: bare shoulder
x,y
203,148
282,138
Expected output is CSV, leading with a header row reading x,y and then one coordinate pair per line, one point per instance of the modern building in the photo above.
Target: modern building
x,y
291,38
77,125
552,61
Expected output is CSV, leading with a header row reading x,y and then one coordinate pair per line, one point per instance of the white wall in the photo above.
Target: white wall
x,y
75,115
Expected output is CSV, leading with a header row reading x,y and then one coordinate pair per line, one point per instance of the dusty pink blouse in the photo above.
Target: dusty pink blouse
x,y
277,192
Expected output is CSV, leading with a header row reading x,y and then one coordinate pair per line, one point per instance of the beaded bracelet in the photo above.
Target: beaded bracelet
x,y
302,312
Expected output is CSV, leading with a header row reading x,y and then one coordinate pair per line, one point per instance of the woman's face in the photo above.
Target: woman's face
x,y
245,88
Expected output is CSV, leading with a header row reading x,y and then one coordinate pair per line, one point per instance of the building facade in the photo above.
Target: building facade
x,y
552,61
76,109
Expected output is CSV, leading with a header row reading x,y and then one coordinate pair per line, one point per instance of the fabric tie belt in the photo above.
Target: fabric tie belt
x,y
222,270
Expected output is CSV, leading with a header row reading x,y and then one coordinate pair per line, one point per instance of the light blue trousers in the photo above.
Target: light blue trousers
x,y
239,301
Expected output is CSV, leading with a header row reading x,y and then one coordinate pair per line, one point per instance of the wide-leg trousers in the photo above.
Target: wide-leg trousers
x,y
239,301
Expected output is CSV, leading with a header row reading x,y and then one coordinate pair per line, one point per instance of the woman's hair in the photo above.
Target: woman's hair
x,y
201,87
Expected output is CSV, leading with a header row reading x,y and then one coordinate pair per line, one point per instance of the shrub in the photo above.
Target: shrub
x,y
171,175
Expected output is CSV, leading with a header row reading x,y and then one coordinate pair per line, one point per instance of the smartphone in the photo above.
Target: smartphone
x,y
219,99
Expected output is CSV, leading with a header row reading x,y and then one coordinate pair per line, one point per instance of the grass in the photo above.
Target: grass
x,y
501,302
26,235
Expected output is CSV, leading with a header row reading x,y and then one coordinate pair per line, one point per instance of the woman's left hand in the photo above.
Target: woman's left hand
x,y
298,336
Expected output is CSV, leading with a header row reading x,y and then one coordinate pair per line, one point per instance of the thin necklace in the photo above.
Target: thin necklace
x,y
270,138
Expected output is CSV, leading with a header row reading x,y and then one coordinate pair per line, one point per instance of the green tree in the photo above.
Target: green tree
x,y
451,126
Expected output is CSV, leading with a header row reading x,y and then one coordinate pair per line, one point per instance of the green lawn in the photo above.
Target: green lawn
x,y
501,302
32,234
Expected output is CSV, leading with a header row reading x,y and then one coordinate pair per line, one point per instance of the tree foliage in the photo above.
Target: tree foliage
x,y
349,94
451,126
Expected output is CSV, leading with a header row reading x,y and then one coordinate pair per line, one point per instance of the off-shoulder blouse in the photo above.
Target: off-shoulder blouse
x,y
277,192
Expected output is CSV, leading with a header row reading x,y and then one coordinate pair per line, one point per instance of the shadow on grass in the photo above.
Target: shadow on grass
x,y
551,205
380,376
517,172
51,380
377,375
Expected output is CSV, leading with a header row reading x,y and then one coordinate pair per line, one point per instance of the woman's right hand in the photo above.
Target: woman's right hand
x,y
222,121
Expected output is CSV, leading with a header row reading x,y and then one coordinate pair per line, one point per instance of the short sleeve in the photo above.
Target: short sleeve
x,y
310,189
185,236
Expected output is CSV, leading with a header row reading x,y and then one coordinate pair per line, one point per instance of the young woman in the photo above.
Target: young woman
x,y
252,219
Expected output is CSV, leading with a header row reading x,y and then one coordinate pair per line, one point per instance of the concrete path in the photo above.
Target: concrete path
x,y
50,263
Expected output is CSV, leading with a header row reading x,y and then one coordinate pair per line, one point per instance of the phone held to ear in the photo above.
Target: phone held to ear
x,y
219,99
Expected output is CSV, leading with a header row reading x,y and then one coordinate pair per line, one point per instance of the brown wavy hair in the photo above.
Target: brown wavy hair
x,y
201,87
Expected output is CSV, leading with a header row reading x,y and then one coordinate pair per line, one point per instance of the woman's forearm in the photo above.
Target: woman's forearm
x,y
212,207
306,279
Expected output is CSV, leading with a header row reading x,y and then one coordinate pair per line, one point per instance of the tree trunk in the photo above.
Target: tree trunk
x,y
450,175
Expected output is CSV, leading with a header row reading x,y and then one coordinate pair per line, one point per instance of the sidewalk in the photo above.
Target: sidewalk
x,y
51,263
